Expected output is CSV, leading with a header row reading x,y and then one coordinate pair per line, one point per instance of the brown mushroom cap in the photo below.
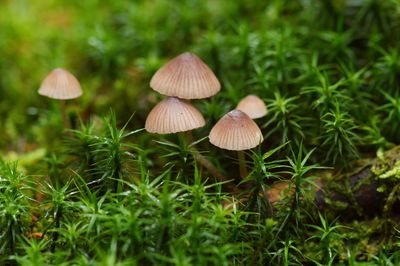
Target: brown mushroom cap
x,y
187,77
173,115
236,131
60,84
253,106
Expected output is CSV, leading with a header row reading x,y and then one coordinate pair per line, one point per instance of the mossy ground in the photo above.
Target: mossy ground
x,y
109,193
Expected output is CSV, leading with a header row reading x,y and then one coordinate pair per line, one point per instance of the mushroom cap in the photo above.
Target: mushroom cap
x,y
60,84
253,106
173,115
187,77
236,131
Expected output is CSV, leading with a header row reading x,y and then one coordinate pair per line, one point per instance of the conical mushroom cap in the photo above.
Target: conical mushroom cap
x,y
187,77
253,106
60,84
236,131
173,115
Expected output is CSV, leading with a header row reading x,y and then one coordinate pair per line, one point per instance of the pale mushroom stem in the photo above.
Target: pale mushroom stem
x,y
188,136
65,118
242,164
204,162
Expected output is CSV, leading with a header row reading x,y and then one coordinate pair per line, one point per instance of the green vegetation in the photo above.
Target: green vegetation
x,y
106,192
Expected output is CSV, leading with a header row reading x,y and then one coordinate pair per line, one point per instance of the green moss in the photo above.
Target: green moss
x,y
107,192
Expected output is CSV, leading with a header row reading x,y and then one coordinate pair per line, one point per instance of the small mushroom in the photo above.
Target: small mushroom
x,y
61,85
187,77
184,77
236,131
253,106
173,115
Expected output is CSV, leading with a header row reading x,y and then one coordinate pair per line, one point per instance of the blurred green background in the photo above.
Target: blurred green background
x,y
113,47
262,47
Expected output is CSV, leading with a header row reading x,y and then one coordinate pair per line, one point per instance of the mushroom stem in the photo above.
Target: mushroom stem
x,y
188,136
204,162
65,118
242,164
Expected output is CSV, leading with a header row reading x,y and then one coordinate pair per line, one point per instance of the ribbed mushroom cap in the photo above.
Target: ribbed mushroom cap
x,y
60,84
173,115
187,77
236,131
253,106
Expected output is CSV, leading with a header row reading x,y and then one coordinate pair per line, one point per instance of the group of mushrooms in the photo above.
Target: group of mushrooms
x,y
184,78
187,77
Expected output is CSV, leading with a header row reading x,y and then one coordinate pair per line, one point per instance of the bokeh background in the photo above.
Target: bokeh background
x,y
113,47
261,47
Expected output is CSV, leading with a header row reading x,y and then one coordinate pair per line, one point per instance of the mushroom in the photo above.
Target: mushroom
x,y
187,77
184,77
238,132
253,106
61,85
173,115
